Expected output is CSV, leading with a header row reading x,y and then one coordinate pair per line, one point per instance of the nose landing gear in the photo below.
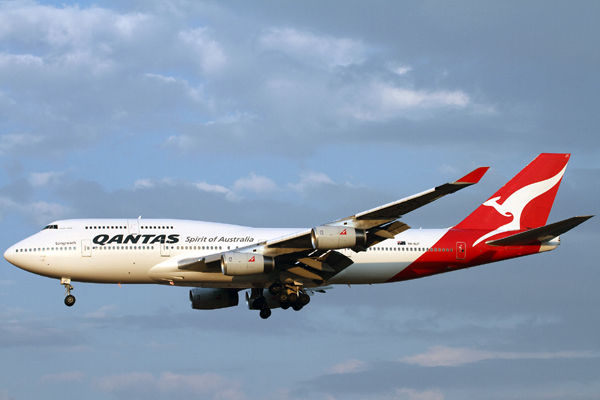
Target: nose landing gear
x,y
69,298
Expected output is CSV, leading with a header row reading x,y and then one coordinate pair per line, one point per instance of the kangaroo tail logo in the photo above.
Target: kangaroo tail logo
x,y
526,199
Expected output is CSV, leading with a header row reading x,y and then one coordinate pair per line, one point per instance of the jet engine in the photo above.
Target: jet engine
x,y
236,263
336,237
211,299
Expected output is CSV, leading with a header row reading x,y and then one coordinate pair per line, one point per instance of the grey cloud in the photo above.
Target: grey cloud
x,y
312,104
484,379
144,385
36,332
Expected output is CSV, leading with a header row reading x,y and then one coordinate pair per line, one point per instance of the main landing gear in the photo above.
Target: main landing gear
x,y
286,296
260,303
69,298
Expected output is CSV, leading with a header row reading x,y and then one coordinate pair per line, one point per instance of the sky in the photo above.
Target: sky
x,y
293,114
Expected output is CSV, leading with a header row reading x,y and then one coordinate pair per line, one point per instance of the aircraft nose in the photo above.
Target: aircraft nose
x,y
9,254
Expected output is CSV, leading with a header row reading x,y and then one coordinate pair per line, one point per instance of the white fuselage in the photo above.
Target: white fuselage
x,y
132,251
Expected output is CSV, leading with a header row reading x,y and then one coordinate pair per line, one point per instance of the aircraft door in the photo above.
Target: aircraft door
x,y
132,225
461,250
164,250
86,248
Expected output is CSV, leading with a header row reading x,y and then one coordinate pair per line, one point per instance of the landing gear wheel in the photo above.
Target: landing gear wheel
x,y
265,312
292,297
275,288
304,299
297,306
285,305
258,303
69,300
282,297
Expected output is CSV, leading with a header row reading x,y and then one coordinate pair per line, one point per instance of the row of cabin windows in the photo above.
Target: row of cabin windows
x,y
198,247
430,249
117,227
46,249
120,248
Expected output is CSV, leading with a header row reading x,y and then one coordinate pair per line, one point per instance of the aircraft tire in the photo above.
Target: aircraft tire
x,y
69,300
265,313
258,303
282,297
292,297
275,288
304,299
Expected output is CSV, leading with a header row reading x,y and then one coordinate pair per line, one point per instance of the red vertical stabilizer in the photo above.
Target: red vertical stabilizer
x,y
524,202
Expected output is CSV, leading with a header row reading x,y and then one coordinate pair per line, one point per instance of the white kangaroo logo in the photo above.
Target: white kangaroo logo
x,y
516,202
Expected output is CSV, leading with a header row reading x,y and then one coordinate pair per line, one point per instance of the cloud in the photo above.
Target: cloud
x,y
400,69
411,394
5,396
142,385
381,101
311,179
426,395
320,50
45,178
206,187
442,356
102,312
255,183
35,332
63,377
349,366
39,212
208,52
16,141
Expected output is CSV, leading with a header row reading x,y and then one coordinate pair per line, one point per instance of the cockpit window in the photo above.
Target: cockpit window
x,y
51,227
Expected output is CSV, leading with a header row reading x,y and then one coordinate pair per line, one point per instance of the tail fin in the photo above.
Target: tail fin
x,y
524,202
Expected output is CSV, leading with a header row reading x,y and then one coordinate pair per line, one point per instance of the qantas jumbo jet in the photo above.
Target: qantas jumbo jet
x,y
282,267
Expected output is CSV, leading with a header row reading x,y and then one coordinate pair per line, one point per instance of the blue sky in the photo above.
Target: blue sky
x,y
291,114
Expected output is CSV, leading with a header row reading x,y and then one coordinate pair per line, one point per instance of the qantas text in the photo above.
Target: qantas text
x,y
104,239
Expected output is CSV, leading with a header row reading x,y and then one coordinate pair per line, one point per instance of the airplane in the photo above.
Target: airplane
x,y
282,268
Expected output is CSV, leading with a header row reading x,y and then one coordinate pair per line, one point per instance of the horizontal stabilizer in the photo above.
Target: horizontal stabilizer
x,y
541,234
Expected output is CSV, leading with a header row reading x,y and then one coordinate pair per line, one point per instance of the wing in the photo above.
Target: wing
x,y
296,254
381,221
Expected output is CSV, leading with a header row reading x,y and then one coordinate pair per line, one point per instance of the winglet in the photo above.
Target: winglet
x,y
473,176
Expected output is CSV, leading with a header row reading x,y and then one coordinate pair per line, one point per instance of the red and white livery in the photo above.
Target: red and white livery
x,y
283,267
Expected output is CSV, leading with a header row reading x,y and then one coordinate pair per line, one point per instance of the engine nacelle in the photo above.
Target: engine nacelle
x,y
237,263
211,299
336,237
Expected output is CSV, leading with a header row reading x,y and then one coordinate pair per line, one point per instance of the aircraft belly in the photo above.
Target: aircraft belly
x,y
371,272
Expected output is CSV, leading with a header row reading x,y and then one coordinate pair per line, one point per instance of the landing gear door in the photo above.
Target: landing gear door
x,y
132,225
164,250
86,248
461,250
